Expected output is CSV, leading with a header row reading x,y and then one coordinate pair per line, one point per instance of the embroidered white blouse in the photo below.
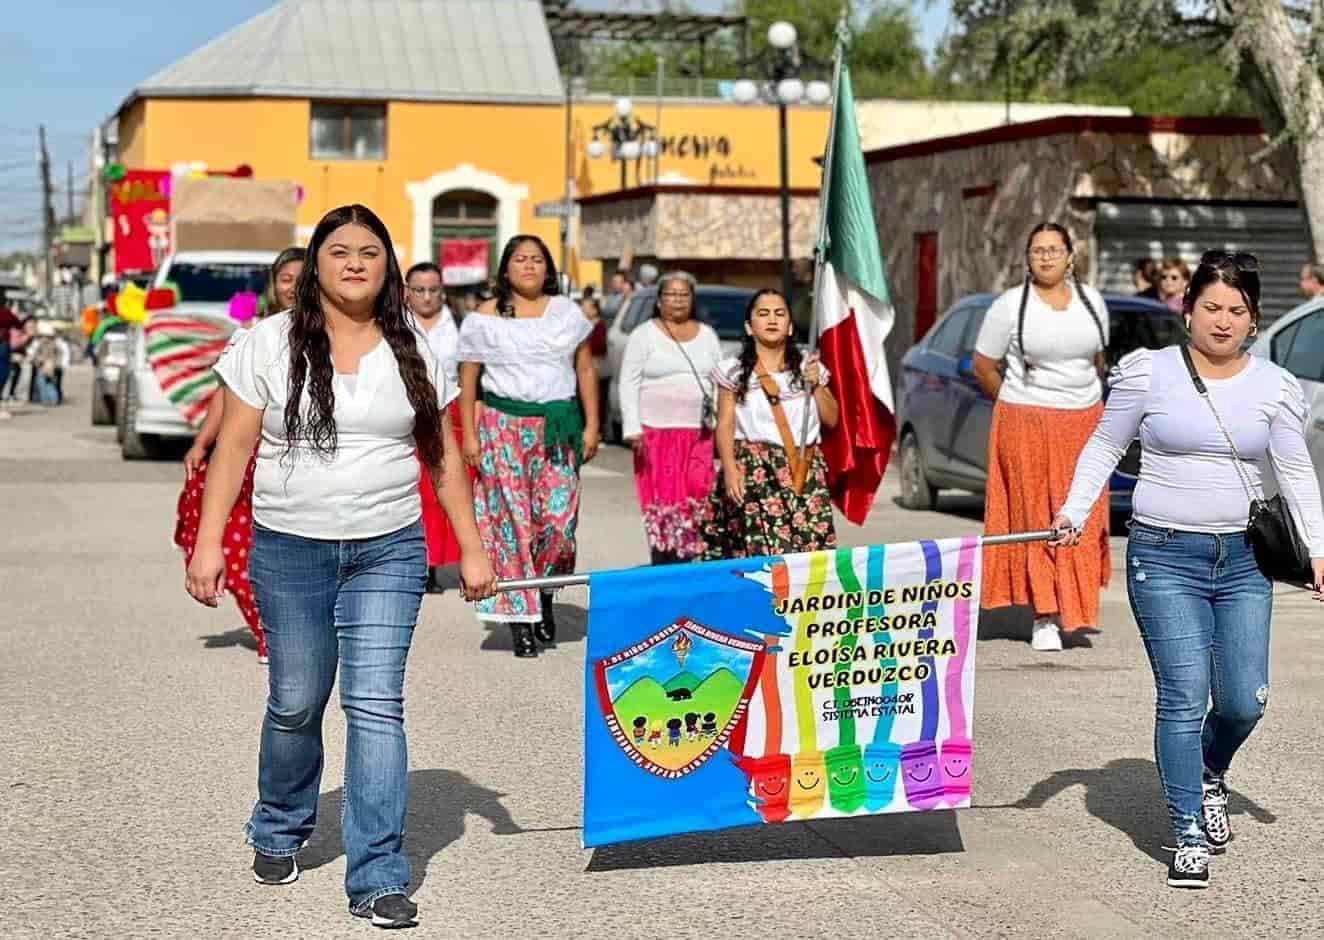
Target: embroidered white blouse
x,y
444,340
369,486
527,359
754,420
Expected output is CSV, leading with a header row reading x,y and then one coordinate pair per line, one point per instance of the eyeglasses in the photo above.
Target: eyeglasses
x,y
676,295
1242,260
425,291
1048,254
1172,276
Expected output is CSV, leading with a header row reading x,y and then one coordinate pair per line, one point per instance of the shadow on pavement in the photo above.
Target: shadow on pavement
x,y
933,833
1125,794
571,627
439,801
240,637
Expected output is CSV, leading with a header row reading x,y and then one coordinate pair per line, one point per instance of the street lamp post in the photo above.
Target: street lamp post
x,y
783,87
630,139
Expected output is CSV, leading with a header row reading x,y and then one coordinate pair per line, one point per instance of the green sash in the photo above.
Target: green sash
x,y
563,422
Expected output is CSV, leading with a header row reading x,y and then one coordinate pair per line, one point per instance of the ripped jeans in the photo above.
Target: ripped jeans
x,y
1203,608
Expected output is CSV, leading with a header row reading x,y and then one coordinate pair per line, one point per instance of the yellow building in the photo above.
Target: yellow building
x,y
447,117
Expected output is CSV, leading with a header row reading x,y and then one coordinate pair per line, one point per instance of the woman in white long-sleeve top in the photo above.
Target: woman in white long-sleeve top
x,y
1201,602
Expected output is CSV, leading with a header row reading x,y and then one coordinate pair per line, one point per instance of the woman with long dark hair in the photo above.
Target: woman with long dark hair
x,y
668,410
338,393
1210,418
772,496
279,295
1039,356
528,347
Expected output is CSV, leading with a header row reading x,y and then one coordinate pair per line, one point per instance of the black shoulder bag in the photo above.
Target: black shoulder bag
x,y
1272,534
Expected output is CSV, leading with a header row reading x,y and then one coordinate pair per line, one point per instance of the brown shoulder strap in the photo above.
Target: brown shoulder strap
x,y
799,463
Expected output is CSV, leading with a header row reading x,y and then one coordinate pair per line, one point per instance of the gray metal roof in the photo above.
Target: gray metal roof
x,y
420,50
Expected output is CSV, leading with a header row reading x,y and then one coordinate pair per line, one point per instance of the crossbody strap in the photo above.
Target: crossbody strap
x,y
1203,391
774,393
690,362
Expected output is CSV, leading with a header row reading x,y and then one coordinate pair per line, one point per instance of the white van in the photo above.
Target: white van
x,y
206,281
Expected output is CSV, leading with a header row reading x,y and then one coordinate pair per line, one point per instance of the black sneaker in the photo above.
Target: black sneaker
x,y
1217,828
391,912
1189,868
274,869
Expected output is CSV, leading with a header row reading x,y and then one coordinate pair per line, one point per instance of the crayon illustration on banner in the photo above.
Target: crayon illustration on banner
x,y
782,689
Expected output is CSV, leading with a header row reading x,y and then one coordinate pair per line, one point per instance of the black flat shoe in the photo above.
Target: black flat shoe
x,y
521,636
546,630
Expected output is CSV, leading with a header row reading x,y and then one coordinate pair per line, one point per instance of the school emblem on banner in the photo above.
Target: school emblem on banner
x,y
672,700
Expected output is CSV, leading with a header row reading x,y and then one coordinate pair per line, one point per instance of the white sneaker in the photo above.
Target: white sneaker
x,y
1046,637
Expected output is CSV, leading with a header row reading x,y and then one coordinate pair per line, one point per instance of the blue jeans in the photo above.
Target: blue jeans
x,y
1203,608
350,603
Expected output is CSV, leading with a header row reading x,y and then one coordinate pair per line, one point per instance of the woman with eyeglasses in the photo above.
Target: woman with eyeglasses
x,y
1173,277
1198,596
528,348
1039,355
668,410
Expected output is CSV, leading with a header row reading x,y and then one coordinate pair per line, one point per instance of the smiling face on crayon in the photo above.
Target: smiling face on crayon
x,y
769,785
808,783
957,766
845,773
919,773
882,767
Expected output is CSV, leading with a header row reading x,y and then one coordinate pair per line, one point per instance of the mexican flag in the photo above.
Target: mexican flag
x,y
853,313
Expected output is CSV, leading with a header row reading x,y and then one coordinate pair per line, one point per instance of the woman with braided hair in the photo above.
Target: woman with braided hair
x,y
1039,355
342,395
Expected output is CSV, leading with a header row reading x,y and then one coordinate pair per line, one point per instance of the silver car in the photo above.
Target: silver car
x,y
112,354
1296,342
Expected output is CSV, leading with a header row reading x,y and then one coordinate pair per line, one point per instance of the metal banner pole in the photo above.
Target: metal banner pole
x,y
575,580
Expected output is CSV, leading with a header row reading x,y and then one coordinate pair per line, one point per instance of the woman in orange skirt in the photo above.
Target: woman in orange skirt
x,y
1039,355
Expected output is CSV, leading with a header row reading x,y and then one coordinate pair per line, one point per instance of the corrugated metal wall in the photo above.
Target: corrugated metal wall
x,y
1125,231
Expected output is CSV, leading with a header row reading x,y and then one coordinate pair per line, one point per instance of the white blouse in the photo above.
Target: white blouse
x,y
369,486
527,359
754,420
1060,344
660,386
444,340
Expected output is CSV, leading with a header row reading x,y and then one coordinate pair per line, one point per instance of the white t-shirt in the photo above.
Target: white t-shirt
x,y
369,486
527,359
444,339
754,419
1060,344
659,387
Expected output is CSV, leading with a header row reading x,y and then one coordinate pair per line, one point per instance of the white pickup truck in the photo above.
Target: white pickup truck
x,y
206,281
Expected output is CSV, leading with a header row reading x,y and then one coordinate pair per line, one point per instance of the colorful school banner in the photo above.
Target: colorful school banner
x,y
814,686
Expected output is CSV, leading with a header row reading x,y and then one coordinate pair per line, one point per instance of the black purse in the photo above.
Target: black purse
x,y
1278,549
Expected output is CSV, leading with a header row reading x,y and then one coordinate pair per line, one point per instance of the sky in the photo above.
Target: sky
x,y
70,79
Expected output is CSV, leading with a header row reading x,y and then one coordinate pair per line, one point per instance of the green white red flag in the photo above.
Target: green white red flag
x,y
182,352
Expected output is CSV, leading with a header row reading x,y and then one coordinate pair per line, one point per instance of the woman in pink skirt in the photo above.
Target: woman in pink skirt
x,y
668,410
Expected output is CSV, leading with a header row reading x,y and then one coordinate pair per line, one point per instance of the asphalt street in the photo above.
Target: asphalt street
x,y
130,731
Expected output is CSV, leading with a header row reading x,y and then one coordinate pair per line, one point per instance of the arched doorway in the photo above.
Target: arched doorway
x,y
467,215
509,198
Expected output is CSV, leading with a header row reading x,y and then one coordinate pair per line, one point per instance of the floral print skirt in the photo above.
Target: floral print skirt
x,y
526,503
773,520
673,476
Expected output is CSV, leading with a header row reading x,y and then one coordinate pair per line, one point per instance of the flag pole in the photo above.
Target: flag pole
x,y
821,245
577,580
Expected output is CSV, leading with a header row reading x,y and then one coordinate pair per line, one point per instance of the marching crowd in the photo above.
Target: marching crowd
x,y
363,437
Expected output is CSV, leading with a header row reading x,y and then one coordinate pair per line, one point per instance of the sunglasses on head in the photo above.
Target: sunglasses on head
x,y
1243,260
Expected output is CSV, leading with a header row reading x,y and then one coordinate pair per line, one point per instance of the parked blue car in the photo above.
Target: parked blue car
x,y
945,417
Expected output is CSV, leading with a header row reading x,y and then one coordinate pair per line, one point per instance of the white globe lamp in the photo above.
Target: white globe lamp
x,y
790,91
650,148
781,35
595,149
818,92
624,107
745,91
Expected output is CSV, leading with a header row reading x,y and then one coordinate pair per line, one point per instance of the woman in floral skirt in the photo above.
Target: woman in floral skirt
x,y
772,496
529,348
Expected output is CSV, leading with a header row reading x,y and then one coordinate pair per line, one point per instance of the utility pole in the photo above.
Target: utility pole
x,y
69,220
47,214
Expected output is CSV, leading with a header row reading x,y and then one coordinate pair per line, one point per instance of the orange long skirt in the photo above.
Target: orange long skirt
x,y
1032,457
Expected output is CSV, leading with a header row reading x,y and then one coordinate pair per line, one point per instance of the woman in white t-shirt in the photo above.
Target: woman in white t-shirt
x,y
1039,355
772,497
529,349
339,394
668,409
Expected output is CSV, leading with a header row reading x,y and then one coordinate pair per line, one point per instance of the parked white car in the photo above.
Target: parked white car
x,y
206,281
1296,342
